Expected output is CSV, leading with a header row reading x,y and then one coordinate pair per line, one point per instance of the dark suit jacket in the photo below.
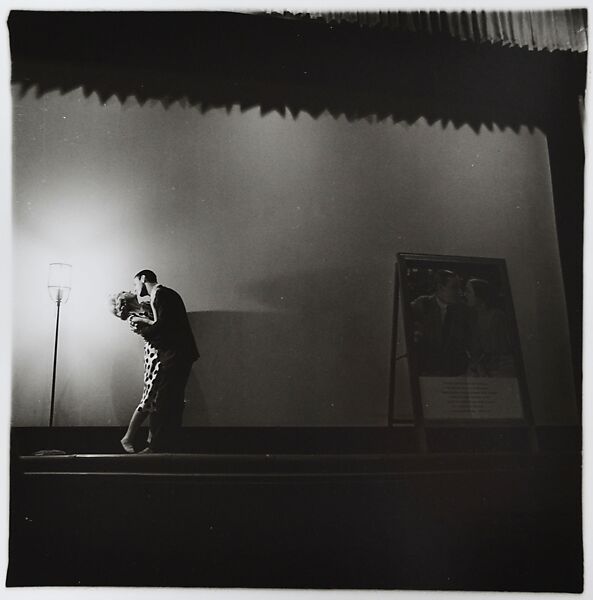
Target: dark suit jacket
x,y
442,346
171,335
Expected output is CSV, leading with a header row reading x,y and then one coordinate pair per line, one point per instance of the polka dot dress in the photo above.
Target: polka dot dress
x,y
151,371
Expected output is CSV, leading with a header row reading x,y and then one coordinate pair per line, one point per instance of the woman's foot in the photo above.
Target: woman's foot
x,y
126,445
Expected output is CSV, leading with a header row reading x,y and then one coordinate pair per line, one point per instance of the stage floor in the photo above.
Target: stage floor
x,y
284,465
298,508
498,521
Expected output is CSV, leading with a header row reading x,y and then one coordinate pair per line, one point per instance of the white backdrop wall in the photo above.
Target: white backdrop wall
x,y
281,235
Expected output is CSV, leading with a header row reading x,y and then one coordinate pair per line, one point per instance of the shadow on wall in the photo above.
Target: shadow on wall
x,y
320,357
196,411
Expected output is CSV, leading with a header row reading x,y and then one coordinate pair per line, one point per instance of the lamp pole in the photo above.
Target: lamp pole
x,y
53,382
58,286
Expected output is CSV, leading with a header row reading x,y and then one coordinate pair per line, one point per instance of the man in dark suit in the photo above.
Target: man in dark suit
x,y
172,336
441,328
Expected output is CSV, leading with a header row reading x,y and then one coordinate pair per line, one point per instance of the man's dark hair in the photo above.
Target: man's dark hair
x,y
148,275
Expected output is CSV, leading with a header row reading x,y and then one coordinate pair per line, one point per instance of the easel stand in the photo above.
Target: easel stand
x,y
421,422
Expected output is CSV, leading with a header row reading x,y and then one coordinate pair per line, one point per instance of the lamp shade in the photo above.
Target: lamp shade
x,y
59,281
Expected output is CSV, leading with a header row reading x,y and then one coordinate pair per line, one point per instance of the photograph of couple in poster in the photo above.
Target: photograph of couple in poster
x,y
462,337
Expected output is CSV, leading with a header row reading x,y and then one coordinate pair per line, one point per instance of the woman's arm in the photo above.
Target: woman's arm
x,y
139,319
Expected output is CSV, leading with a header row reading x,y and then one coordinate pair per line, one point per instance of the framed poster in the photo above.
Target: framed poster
x,y
462,341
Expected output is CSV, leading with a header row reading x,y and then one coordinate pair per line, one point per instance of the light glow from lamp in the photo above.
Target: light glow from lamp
x,y
59,282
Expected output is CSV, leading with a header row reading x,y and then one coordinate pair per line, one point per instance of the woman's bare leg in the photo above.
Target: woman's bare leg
x,y
135,423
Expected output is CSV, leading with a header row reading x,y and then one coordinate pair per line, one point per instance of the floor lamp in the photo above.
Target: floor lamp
x,y
58,285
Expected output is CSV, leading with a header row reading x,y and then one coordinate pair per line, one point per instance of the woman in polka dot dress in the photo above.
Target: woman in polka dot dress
x,y
125,305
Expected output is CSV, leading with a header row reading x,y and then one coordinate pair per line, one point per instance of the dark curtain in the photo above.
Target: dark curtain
x,y
536,30
222,59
